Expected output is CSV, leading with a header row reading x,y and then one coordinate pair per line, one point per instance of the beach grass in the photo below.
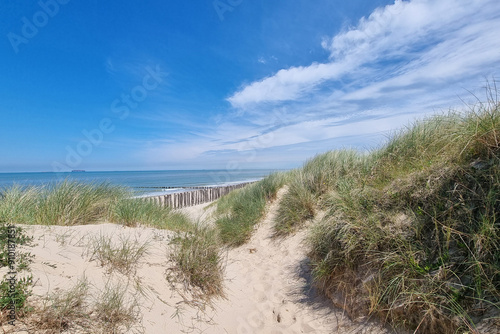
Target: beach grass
x,y
198,262
74,203
65,203
121,254
311,186
64,309
411,232
80,309
135,211
115,308
239,211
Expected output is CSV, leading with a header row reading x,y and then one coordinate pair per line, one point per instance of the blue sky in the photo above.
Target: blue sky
x,y
229,84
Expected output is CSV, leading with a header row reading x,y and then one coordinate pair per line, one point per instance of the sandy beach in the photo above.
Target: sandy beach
x,y
267,283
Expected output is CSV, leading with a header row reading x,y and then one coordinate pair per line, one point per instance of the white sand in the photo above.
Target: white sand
x,y
267,282
199,213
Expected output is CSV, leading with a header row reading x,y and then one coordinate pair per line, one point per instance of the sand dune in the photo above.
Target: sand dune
x,y
267,283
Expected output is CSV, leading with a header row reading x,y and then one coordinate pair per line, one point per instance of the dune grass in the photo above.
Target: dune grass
x,y
116,310
64,309
411,232
73,203
81,310
239,211
135,211
121,254
66,203
198,260
310,185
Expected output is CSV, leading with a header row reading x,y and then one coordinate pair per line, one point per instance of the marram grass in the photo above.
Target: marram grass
x,y
411,232
66,203
74,203
239,211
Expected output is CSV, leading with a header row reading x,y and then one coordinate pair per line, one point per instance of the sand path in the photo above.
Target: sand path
x,y
267,282
268,286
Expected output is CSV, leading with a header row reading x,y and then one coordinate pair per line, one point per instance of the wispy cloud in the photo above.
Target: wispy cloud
x,y
405,60
423,39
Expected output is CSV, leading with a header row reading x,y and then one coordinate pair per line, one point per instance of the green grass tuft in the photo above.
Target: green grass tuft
x,y
66,203
131,212
239,211
197,256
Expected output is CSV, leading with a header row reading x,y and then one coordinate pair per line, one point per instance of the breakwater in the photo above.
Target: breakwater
x,y
194,196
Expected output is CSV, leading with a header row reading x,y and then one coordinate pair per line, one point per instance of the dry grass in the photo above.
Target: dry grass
x,y
411,233
121,254
115,308
64,310
80,310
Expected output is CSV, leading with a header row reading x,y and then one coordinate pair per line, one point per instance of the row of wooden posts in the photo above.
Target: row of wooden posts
x,y
194,197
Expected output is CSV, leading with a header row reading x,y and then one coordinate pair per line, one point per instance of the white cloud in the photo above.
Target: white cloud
x,y
404,61
445,38
288,84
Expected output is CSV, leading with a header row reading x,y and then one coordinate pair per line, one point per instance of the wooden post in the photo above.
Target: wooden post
x,y
194,196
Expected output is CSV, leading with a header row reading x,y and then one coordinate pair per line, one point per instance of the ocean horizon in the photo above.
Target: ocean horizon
x,y
142,183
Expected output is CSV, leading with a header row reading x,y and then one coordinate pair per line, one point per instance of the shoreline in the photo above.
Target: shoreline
x,y
136,180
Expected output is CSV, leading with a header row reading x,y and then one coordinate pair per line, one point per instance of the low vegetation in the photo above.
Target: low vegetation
x,y
135,211
74,203
64,310
14,288
115,308
66,203
198,260
121,254
241,210
80,309
411,232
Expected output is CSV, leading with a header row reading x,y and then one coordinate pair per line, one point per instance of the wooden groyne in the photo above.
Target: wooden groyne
x,y
197,196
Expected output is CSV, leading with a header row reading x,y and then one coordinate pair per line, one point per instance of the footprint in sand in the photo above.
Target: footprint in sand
x,y
284,315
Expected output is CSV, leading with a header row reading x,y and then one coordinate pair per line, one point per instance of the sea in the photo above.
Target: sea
x,y
142,183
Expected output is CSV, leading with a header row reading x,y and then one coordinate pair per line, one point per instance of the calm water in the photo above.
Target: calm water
x,y
143,182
